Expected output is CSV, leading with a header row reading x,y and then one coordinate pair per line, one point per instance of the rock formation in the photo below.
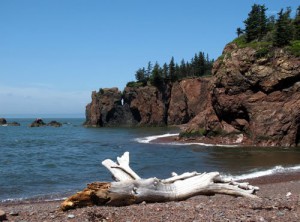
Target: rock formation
x,y
3,121
106,109
172,104
255,98
252,98
37,123
54,124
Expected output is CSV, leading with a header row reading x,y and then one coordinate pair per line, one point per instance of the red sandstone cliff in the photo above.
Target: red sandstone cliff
x,y
250,99
257,99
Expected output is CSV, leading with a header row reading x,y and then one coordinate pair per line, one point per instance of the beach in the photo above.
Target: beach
x,y
280,201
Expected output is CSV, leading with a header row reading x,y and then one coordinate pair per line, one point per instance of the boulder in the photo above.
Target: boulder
x,y
3,121
37,123
54,124
14,124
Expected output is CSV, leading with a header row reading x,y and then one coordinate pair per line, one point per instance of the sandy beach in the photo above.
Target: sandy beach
x,y
280,201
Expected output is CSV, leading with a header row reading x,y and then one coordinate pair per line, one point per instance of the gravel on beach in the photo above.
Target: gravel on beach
x,y
280,201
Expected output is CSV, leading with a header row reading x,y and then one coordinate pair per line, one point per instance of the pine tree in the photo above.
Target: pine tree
x,y
156,76
172,69
148,70
296,25
165,70
183,71
283,31
239,31
256,23
140,75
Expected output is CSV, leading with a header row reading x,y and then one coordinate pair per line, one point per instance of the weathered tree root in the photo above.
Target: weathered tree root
x,y
129,188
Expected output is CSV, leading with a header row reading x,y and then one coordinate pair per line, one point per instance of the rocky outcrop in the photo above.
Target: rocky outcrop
x,y
171,104
14,124
252,98
106,109
54,124
256,98
3,121
188,98
37,123
148,104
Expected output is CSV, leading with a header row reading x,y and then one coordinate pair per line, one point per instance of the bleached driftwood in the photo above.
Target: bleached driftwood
x,y
129,188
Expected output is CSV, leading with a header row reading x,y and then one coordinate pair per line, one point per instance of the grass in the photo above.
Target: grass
x,y
294,48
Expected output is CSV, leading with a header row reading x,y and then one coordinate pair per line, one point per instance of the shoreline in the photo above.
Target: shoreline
x,y
280,201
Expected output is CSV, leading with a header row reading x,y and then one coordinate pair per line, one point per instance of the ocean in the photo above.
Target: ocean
x,y
52,163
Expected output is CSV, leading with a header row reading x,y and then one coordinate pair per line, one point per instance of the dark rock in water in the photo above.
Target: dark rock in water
x,y
106,109
54,124
14,124
3,121
2,215
37,123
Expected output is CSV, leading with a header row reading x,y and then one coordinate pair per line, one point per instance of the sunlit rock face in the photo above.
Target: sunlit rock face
x,y
258,97
250,99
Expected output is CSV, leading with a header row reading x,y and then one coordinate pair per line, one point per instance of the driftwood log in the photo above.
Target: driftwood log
x,y
129,188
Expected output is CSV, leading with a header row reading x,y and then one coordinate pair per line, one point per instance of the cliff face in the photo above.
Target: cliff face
x,y
258,98
252,98
106,109
148,106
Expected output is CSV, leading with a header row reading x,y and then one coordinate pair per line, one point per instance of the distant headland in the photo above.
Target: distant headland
x,y
249,95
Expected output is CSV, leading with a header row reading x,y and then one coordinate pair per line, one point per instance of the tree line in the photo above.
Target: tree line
x,y
200,65
280,30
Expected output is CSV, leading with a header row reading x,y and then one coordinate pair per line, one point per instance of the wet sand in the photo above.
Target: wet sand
x,y
280,201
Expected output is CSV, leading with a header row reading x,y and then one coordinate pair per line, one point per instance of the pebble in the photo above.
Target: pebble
x,y
71,216
2,215
14,213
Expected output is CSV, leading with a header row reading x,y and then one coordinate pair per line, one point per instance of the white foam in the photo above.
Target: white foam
x,y
271,171
148,139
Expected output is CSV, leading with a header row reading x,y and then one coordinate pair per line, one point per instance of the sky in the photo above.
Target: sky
x,y
54,53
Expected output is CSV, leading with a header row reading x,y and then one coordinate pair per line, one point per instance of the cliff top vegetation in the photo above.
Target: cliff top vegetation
x,y
265,33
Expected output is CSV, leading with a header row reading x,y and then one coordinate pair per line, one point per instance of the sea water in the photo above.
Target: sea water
x,y
49,162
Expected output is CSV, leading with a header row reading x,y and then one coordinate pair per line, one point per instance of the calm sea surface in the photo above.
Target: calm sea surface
x,y
52,162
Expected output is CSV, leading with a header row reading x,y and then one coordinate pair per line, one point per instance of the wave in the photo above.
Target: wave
x,y
272,171
149,139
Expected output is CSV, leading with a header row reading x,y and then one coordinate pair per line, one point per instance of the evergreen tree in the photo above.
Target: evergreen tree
x,y
156,76
140,75
296,25
201,64
256,23
283,31
148,70
172,69
165,70
239,31
183,71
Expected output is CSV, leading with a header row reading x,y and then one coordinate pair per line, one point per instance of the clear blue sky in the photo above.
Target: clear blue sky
x,y
54,53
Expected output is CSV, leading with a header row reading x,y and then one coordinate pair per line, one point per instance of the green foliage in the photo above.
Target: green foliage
x,y
256,23
296,24
135,84
194,133
294,48
200,65
283,28
261,30
262,52
101,91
